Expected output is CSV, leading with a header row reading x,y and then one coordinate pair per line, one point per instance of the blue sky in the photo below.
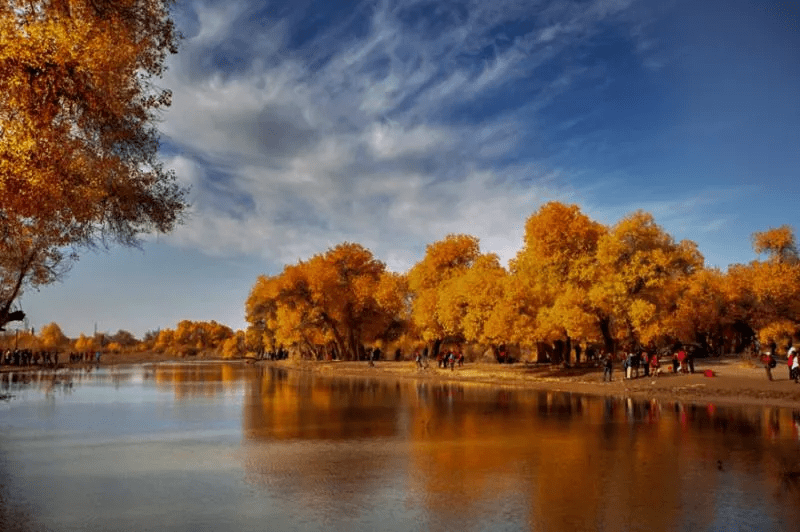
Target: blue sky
x,y
302,124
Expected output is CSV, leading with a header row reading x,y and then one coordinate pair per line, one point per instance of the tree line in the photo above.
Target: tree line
x,y
575,283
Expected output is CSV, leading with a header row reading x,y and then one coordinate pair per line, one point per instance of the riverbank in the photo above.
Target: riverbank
x,y
736,380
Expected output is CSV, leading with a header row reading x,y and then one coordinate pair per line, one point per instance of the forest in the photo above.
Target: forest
x,y
575,285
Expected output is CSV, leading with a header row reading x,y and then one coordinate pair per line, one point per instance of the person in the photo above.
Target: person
x,y
682,360
791,354
769,363
794,371
646,363
608,366
655,366
675,363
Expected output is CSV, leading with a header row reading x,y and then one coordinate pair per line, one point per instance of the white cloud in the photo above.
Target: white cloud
x,y
293,150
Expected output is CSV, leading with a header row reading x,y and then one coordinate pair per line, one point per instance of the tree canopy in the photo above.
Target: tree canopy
x,y
78,139
575,281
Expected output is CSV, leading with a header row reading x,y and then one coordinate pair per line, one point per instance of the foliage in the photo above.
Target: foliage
x,y
85,343
341,298
637,275
78,114
191,337
779,244
51,337
427,280
552,274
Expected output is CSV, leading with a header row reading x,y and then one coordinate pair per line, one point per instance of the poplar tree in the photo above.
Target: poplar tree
x,y
79,162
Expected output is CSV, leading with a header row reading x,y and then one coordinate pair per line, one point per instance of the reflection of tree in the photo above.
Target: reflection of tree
x,y
560,461
200,380
322,443
280,405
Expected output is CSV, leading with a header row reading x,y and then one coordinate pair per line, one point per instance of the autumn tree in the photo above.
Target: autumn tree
x,y
85,343
124,338
778,243
702,310
766,294
552,277
78,140
51,336
467,302
637,274
444,260
343,297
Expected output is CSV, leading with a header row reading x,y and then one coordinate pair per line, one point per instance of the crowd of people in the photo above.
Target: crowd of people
x,y
444,359
27,358
646,364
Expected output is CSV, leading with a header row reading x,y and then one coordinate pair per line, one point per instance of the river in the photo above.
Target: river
x,y
215,446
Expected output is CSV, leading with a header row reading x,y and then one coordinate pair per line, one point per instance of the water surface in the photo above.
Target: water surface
x,y
232,447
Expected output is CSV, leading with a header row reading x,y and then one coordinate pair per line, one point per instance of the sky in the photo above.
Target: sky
x,y
302,124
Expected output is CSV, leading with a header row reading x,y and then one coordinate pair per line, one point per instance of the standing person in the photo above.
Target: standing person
x,y
769,360
791,354
608,367
646,363
682,360
629,366
794,371
769,363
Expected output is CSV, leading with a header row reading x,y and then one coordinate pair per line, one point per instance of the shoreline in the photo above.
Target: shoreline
x,y
737,380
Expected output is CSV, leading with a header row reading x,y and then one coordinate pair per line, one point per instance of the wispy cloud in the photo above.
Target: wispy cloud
x,y
360,135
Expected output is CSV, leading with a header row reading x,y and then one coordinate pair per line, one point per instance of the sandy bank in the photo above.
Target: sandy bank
x,y
735,381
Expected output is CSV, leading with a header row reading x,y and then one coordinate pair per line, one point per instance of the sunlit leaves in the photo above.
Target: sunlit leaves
x,y
443,261
343,297
779,244
78,144
51,337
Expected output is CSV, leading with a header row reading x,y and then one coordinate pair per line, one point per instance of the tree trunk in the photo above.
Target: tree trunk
x,y
437,344
605,330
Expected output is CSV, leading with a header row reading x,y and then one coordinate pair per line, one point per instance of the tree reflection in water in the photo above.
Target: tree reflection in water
x,y
561,461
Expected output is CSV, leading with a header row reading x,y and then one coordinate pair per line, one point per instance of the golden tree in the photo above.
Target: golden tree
x,y
702,311
342,297
552,275
78,144
51,336
443,261
468,301
637,274
766,294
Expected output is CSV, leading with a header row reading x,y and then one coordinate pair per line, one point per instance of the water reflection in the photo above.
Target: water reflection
x,y
584,463
367,454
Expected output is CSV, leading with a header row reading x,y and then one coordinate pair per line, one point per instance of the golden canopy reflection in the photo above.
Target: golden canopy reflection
x,y
189,381
566,462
